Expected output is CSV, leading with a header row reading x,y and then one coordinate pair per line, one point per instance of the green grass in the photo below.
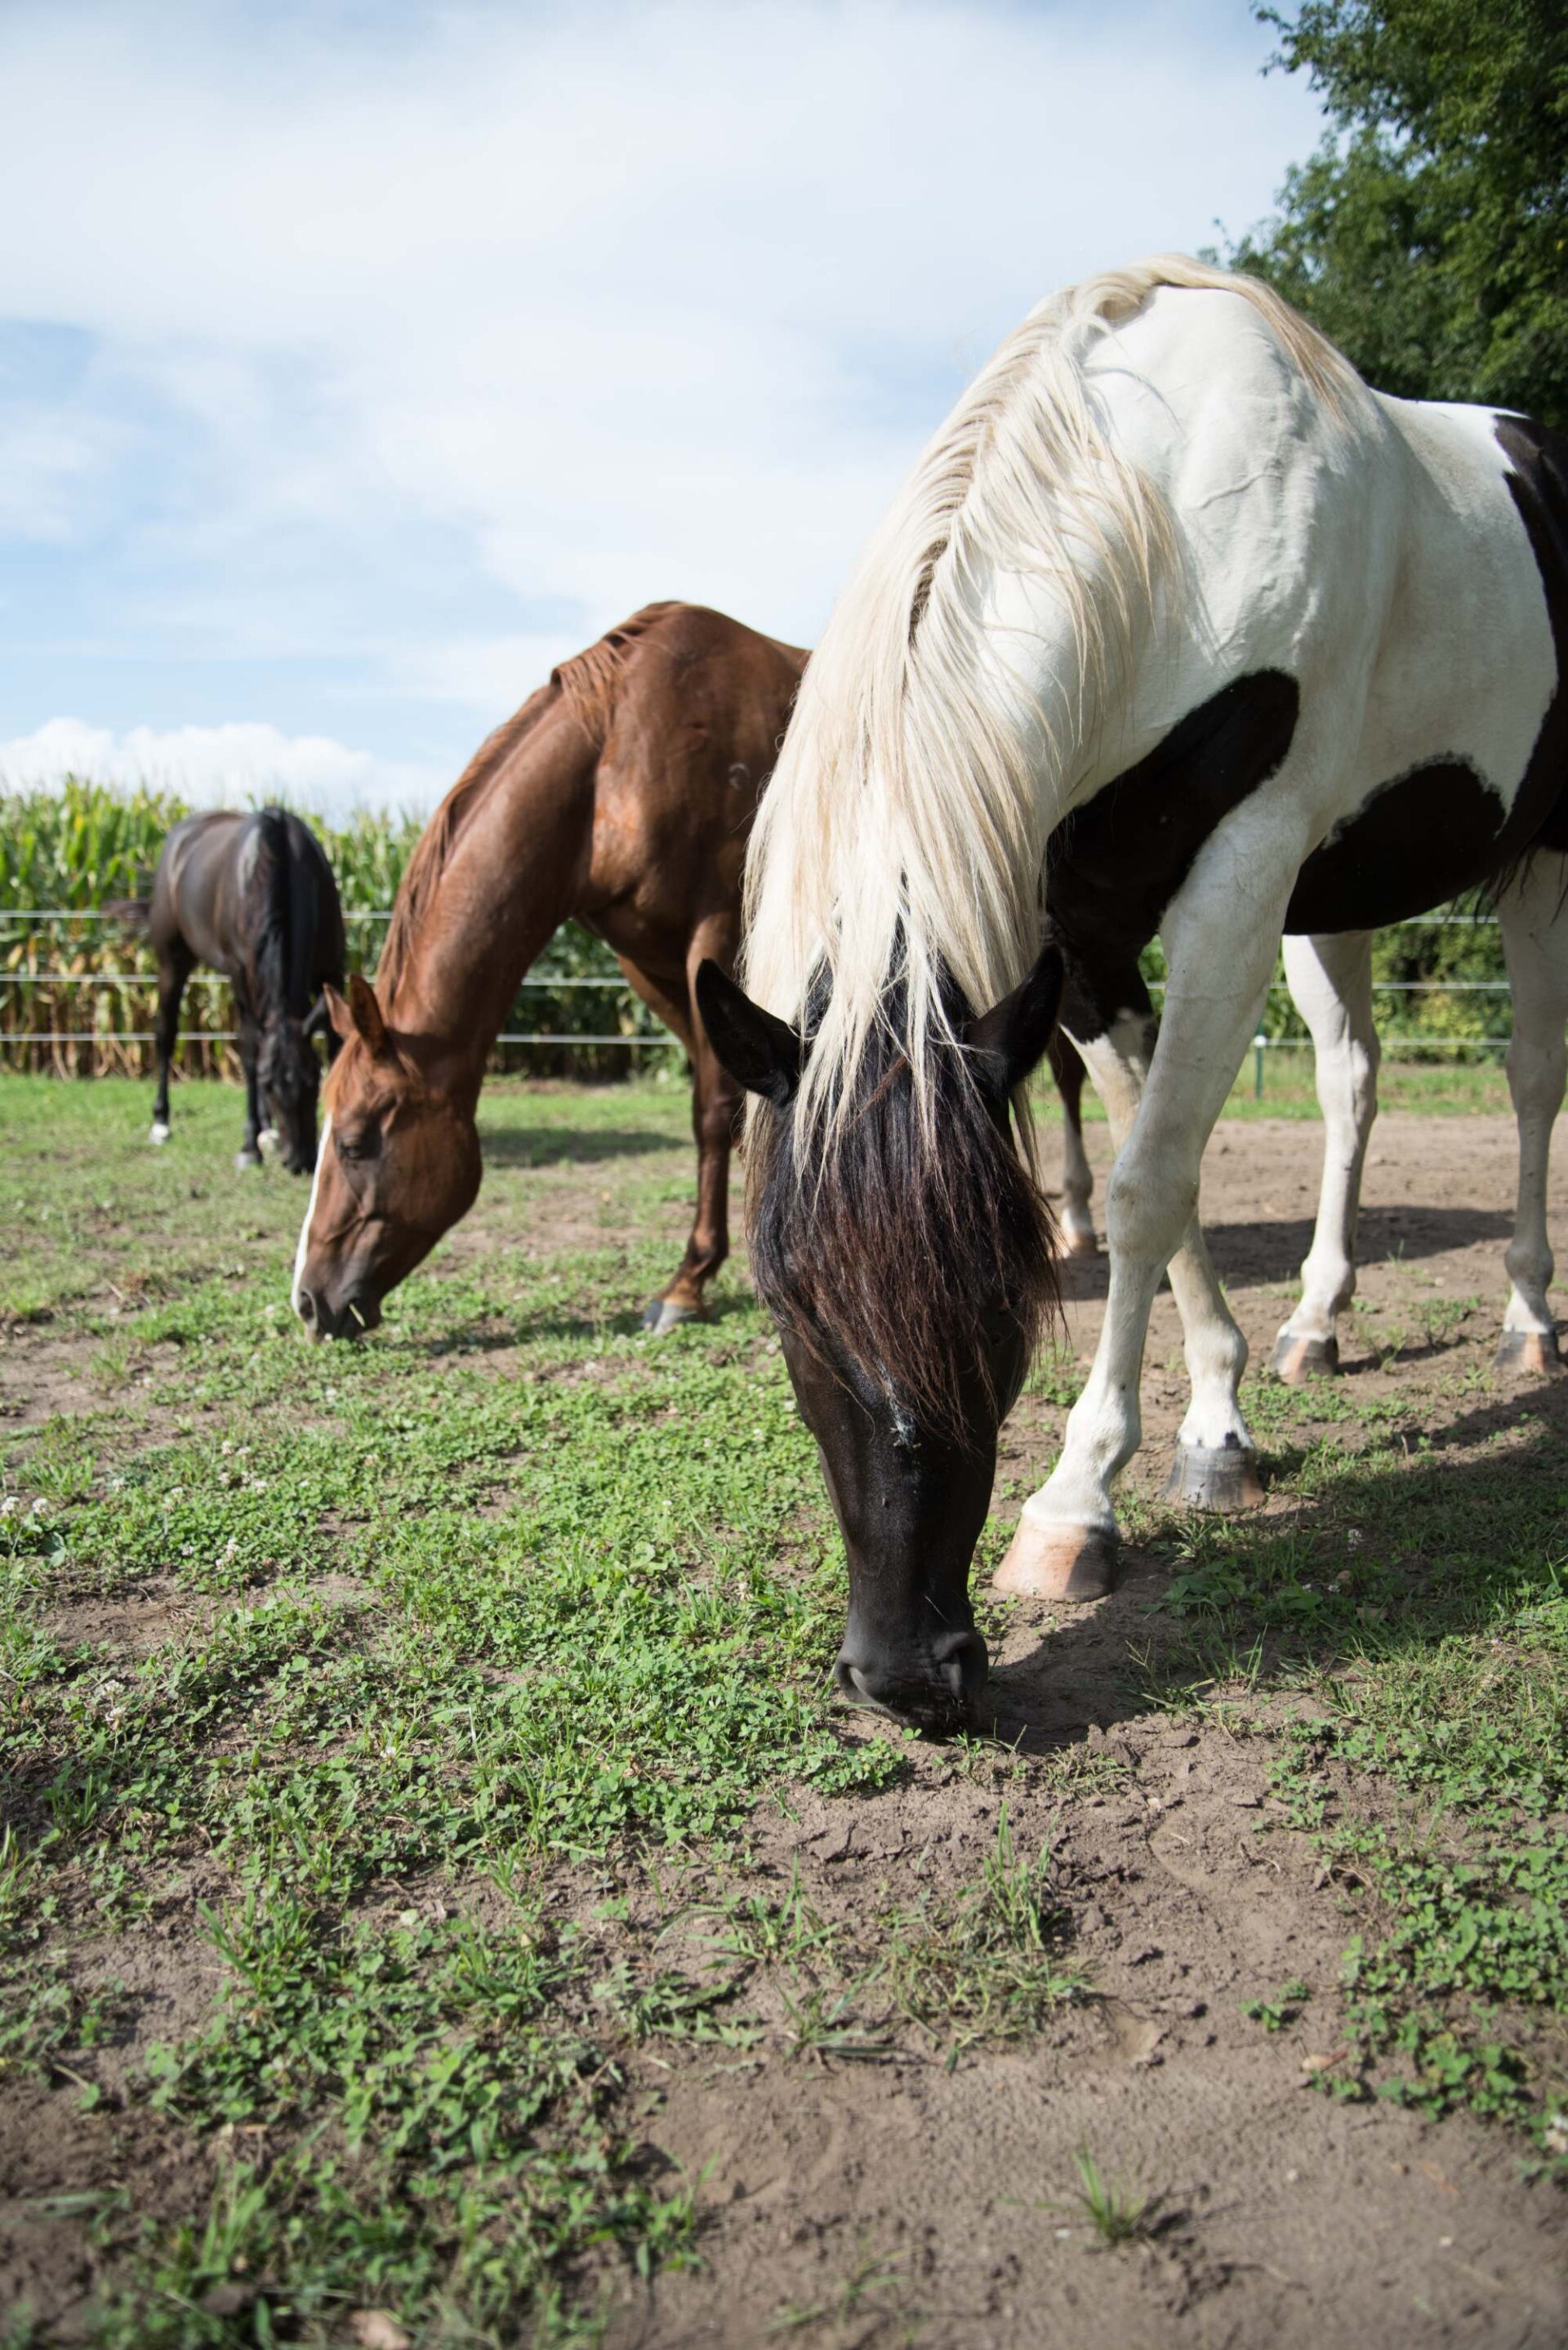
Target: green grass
x,y
433,1688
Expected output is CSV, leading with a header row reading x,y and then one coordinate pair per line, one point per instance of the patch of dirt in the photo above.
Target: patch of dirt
x,y
904,2200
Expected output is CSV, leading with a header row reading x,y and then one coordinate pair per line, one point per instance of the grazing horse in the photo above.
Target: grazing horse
x,y
1179,628
622,792
253,896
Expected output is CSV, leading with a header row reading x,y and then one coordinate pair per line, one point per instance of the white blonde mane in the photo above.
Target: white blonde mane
x,y
904,825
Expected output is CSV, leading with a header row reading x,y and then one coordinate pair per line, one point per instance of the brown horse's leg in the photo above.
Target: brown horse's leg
x,y
715,1103
1078,1181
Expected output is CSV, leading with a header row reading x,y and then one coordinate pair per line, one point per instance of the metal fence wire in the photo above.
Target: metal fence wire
x,y
115,968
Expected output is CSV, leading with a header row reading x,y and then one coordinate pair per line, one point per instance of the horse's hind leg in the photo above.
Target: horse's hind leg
x,y
1534,919
715,1101
1331,981
1077,1219
175,964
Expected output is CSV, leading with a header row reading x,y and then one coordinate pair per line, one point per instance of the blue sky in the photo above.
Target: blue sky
x,y
358,360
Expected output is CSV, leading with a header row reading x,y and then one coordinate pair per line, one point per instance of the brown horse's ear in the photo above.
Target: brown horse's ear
x,y
358,1015
366,1014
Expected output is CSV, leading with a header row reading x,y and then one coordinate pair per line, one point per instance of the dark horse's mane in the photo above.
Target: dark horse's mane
x,y
271,909
886,1239
588,684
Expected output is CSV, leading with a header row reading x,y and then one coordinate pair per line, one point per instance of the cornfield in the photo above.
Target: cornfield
x,y
70,988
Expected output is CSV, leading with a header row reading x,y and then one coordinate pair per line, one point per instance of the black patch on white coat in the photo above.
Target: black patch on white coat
x,y
1115,865
1442,829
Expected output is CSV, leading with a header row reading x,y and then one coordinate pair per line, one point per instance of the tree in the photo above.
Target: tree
x,y
1428,234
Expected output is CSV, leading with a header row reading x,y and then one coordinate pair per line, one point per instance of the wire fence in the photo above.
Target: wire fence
x,y
42,1023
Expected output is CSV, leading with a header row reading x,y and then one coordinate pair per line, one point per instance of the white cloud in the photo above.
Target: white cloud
x,y
623,301
221,766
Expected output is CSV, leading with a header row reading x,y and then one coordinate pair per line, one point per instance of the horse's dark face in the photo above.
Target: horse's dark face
x,y
400,1164
289,1076
910,1500
907,1310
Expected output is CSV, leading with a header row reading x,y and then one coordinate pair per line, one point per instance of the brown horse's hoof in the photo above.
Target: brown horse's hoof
x,y
662,1314
1221,1479
1528,1353
1080,1241
1296,1360
1058,1562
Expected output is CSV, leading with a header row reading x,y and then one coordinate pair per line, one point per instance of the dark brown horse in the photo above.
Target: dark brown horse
x,y
622,792
253,897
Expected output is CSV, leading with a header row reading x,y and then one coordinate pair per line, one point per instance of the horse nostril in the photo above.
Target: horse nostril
x,y
306,1306
964,1663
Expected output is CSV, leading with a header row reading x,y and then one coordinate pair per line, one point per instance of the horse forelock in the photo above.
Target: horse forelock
x,y
881,1236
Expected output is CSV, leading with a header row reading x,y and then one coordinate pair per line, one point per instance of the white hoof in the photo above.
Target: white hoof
x,y
269,1142
159,1133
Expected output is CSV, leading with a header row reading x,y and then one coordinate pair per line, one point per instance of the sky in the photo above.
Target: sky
x,y
360,358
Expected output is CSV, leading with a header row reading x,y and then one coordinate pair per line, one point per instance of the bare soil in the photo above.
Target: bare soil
x,y
883,2202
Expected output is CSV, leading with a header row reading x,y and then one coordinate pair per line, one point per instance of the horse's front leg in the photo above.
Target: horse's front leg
x,y
1066,1544
1535,942
1331,981
174,968
249,1151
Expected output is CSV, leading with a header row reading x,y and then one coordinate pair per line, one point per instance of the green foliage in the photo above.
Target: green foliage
x,y
1428,234
85,845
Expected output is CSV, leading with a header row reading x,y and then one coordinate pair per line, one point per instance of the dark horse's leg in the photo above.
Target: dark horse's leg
x,y
175,964
1078,1181
249,1154
715,1104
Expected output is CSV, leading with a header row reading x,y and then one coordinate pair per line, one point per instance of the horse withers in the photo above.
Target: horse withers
x,y
254,897
1177,629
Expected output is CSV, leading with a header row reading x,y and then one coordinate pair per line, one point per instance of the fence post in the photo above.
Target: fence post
x,y
1258,1042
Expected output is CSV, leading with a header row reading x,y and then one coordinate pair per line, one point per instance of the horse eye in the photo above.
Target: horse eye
x,y
363,1145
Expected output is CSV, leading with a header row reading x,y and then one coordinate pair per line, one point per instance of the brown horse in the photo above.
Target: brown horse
x,y
622,792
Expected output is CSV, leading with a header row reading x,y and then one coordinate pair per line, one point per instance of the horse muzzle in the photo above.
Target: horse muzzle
x,y
353,1317
937,1691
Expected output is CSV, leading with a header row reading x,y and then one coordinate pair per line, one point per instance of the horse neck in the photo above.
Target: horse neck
x,y
515,873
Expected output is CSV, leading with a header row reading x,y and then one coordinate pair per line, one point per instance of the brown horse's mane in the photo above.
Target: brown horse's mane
x,y
588,684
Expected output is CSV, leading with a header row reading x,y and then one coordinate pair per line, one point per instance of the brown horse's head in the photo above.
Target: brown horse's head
x,y
398,1165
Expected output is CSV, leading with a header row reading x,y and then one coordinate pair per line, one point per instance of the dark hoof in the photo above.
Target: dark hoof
x,y
247,1158
1528,1353
1296,1360
660,1313
1058,1562
1222,1480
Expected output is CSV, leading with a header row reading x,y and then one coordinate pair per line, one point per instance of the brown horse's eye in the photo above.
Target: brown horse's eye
x,y
362,1144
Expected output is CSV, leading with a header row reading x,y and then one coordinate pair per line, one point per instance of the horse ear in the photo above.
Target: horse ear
x,y
335,1013
360,1015
760,1050
1011,1036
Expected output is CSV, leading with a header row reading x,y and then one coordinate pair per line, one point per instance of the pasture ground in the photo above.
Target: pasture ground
x,y
439,1905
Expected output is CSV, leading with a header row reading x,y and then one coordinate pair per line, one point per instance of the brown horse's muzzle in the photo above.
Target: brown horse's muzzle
x,y
352,1317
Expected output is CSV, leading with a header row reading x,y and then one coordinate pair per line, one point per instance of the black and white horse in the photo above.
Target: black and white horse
x,y
253,897
1177,628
